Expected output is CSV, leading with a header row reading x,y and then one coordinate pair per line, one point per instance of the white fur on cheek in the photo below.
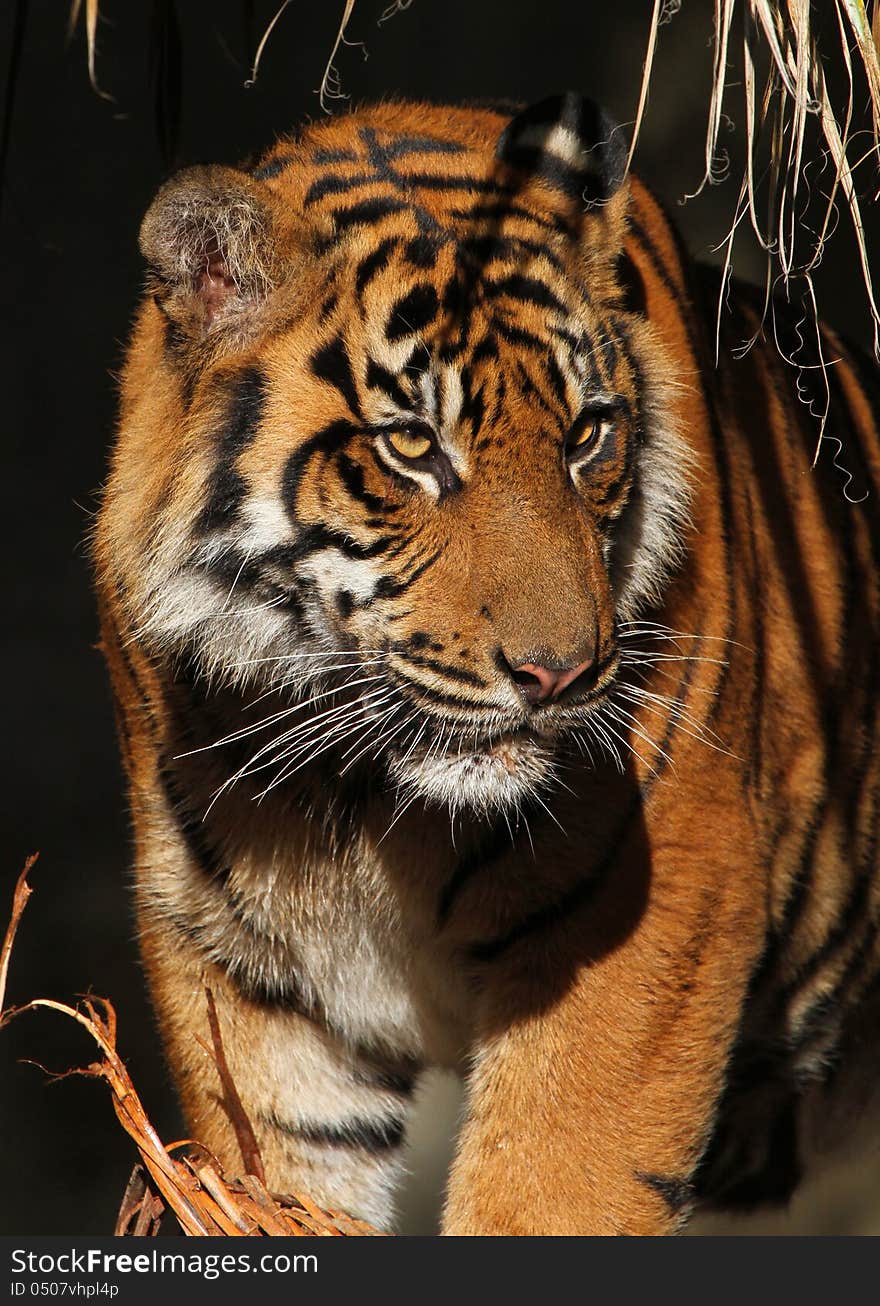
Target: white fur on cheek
x,y
331,571
266,523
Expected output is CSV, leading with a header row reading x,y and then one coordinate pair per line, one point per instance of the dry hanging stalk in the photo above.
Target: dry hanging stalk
x,y
799,142
330,85
328,90
92,16
193,1187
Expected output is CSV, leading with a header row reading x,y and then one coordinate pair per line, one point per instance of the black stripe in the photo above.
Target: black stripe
x,y
527,290
421,251
226,487
414,311
517,335
378,377
391,1075
351,474
473,408
682,302
332,364
415,689
486,349
367,213
557,380
326,441
485,249
273,167
284,995
501,211
312,539
609,356
442,668
528,387
373,1136
373,263
399,146
335,183
631,284
842,931
609,493
833,1006
678,1194
624,341
322,157
389,588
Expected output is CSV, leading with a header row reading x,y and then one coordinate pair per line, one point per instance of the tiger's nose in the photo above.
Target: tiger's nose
x,y
543,684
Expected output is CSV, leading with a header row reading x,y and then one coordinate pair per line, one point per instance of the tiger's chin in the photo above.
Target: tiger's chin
x,y
494,777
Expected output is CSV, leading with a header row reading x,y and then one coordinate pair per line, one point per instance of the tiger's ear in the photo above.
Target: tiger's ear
x,y
210,240
567,150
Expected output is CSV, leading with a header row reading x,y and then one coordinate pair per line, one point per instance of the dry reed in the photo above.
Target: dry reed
x,y
191,1187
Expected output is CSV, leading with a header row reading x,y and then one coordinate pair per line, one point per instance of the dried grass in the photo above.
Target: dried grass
x,y
92,14
806,162
191,1187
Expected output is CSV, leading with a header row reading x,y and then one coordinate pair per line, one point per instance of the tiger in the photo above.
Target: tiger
x,y
496,678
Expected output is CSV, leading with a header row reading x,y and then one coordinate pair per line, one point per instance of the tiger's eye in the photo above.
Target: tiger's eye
x,y
409,444
592,428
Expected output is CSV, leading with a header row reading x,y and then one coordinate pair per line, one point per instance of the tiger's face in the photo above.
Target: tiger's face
x,y
426,466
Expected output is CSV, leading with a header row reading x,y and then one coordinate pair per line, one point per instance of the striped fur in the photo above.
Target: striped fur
x,y
422,399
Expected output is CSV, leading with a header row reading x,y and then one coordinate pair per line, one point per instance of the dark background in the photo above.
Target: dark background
x,y
79,173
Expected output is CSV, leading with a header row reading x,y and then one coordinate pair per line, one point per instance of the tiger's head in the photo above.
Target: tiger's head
x,y
395,441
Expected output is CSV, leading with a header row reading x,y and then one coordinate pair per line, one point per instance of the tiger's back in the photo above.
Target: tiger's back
x,y
496,676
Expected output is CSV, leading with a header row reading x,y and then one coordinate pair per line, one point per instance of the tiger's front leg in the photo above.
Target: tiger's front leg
x,y
329,1121
602,1059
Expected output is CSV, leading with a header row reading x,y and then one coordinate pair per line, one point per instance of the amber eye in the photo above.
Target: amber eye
x,y
410,444
589,429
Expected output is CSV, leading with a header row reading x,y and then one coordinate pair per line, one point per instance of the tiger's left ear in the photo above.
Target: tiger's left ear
x,y
569,154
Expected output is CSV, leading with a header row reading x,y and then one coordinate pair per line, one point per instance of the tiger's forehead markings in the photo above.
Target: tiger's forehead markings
x,y
377,159
474,231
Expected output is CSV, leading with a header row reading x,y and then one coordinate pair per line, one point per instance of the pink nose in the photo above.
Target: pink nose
x,y
540,684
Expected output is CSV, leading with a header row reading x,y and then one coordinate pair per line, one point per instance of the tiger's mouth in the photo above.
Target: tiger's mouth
x,y
469,766
498,773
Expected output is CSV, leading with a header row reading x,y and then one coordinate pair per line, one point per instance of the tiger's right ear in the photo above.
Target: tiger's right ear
x,y
211,242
